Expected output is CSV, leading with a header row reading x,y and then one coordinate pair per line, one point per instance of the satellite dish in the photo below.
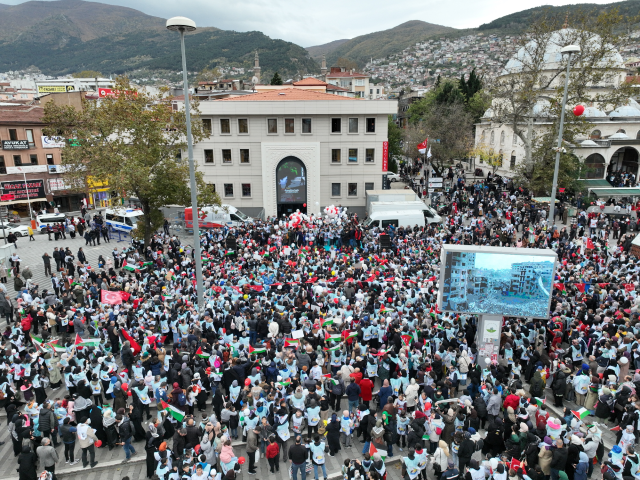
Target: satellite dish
x,y
254,80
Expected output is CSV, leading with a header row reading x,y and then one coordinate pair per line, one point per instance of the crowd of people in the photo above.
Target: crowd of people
x,y
311,337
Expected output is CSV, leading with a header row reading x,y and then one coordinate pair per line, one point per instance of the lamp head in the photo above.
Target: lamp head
x,y
177,24
569,49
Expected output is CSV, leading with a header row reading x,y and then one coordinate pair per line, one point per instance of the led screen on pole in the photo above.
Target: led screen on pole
x,y
291,176
496,281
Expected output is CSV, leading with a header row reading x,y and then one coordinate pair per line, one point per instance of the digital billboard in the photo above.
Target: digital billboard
x,y
496,281
292,181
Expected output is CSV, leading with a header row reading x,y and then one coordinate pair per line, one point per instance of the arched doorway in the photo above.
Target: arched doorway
x,y
594,166
291,184
625,160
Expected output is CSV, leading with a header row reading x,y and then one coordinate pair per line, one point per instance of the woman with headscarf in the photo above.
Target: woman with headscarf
x,y
333,435
97,424
545,456
447,432
109,424
582,467
151,447
119,397
135,416
27,464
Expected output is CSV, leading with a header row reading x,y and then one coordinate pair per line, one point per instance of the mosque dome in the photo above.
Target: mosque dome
x,y
625,111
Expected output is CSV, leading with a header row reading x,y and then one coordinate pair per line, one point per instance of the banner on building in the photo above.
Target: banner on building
x,y
27,169
385,156
56,88
15,144
34,188
52,142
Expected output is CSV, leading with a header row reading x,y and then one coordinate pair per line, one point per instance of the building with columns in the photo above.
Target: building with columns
x,y
276,151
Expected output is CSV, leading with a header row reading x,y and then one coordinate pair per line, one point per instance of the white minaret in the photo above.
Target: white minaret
x,y
256,68
323,68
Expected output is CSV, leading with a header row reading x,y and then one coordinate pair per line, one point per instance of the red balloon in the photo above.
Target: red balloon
x,y
335,300
304,205
578,110
98,443
389,299
129,394
241,460
427,406
247,382
125,386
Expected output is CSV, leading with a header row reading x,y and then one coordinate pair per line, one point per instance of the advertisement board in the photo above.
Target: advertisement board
x,y
28,169
496,281
35,187
385,156
15,144
292,181
56,88
52,142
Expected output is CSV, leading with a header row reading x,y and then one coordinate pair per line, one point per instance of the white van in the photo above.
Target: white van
x,y
404,218
122,219
430,215
217,216
49,218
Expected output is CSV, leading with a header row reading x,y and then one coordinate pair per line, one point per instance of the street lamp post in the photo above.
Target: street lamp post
x,y
568,50
182,25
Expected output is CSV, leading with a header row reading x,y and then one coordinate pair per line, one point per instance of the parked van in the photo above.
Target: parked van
x,y
430,215
49,218
122,219
217,216
404,218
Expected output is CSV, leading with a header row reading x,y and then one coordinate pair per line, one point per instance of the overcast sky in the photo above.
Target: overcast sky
x,y
310,23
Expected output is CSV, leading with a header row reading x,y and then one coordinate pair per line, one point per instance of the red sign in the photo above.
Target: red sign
x,y
7,197
561,190
494,357
385,156
108,92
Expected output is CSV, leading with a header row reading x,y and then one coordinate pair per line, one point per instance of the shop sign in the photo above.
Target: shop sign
x,y
385,156
56,88
35,189
52,142
15,144
28,169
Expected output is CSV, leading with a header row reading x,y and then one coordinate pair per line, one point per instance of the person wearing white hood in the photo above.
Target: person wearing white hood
x,y
86,439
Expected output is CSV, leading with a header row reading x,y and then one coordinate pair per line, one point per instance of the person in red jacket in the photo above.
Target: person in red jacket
x,y
273,450
357,376
512,400
366,389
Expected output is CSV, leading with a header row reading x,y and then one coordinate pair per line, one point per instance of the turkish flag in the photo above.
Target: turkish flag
x,y
134,345
590,244
422,147
112,298
629,287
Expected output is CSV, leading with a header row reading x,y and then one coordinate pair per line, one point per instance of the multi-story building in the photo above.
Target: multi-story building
x,y
276,151
531,279
356,82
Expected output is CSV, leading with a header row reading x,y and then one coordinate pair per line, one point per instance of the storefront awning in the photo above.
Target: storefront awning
x,y
595,182
615,192
31,200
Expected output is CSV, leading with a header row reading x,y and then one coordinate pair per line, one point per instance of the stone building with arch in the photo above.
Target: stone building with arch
x,y
612,146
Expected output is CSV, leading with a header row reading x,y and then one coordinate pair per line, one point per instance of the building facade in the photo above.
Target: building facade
x,y
277,151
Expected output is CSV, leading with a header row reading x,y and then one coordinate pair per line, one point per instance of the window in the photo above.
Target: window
x,y
306,125
371,125
595,135
228,189
226,155
353,155
225,126
179,156
512,163
208,156
243,125
502,138
246,189
244,155
206,125
386,223
33,158
492,138
336,125
289,125
335,155
377,91
352,191
335,189
353,125
272,125
3,166
368,186
370,154
515,139
212,186
17,160
50,159
13,134
32,143
359,82
621,130
371,91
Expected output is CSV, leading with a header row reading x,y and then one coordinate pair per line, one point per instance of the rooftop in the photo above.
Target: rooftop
x,y
309,82
21,114
285,94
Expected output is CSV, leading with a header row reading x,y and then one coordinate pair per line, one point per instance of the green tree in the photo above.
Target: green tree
x,y
276,80
346,63
394,136
208,75
87,74
134,142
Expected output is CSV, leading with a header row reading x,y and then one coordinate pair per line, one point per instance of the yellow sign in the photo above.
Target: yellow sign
x,y
55,88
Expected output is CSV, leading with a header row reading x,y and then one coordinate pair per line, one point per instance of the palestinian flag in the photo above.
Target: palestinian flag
x,y
334,338
286,383
581,414
147,264
291,342
334,381
326,323
228,253
407,339
351,335
173,411
257,350
39,342
131,268
540,401
372,450
90,342
332,349
202,354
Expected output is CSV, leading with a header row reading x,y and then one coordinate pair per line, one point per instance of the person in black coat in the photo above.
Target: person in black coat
x,y
153,441
135,416
27,464
333,435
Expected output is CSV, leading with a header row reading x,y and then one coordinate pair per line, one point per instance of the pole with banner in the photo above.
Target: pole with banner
x,y
26,189
422,149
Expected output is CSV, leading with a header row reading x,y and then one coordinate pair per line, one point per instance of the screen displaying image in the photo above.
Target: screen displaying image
x,y
292,182
497,284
